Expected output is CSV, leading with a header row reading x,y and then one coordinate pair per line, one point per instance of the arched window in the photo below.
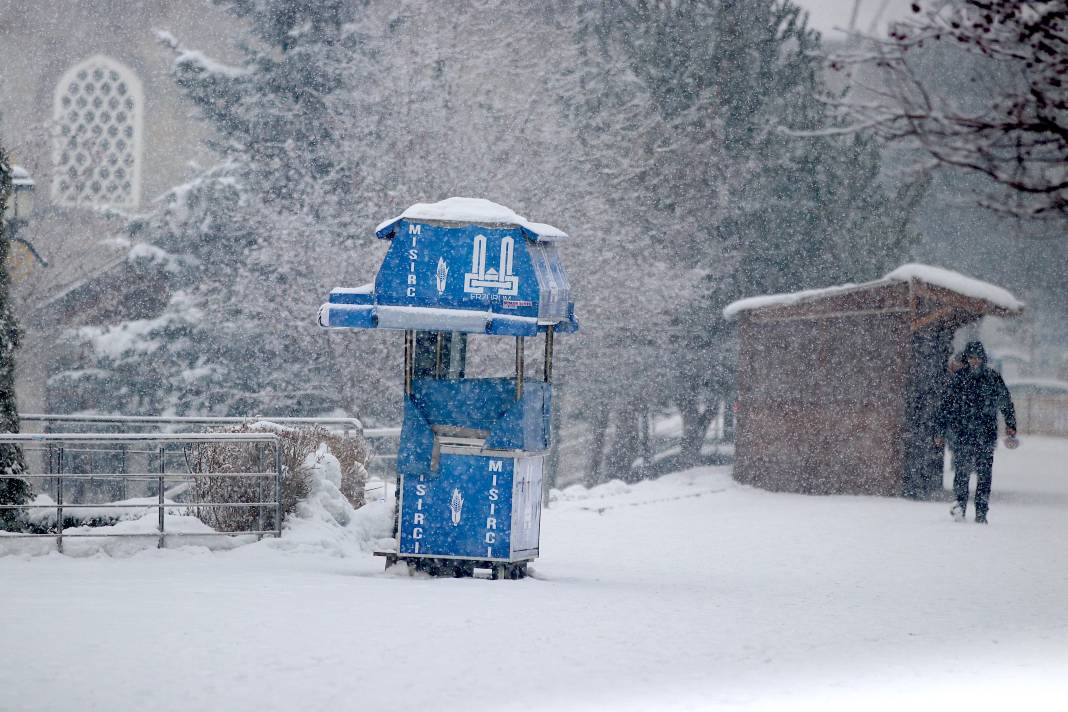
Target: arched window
x,y
97,154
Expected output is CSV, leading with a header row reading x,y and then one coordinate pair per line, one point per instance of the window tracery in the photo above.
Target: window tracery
x,y
97,151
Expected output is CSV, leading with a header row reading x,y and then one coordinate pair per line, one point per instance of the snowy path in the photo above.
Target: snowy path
x,y
686,593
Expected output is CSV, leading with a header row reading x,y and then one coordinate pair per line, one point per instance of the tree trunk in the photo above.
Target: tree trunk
x,y
626,446
599,428
695,422
646,420
552,462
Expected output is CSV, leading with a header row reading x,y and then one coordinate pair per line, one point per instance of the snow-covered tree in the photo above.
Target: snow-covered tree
x,y
666,160
712,96
12,491
340,115
251,241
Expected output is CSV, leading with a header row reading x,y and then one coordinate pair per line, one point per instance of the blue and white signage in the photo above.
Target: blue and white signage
x,y
472,267
447,272
463,509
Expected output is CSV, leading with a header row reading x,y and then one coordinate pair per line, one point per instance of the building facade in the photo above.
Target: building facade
x,y
88,106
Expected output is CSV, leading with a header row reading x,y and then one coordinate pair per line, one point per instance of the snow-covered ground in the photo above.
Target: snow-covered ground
x,y
686,593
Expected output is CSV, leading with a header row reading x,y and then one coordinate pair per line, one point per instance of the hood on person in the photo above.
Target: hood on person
x,y
974,354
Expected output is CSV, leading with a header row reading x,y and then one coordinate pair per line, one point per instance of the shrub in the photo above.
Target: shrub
x,y
297,443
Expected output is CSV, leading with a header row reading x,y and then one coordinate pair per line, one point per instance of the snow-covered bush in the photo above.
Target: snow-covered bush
x,y
305,451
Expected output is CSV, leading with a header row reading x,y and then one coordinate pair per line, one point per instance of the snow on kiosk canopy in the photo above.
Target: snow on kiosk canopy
x,y
838,387
470,462
466,265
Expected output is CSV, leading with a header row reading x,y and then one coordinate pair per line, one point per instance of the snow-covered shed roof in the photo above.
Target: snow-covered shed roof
x,y
471,211
999,299
956,282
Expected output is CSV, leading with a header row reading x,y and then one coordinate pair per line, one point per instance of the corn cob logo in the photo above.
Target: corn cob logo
x,y
456,506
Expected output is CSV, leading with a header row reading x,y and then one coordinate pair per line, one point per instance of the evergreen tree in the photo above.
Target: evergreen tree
x,y
340,114
249,243
12,491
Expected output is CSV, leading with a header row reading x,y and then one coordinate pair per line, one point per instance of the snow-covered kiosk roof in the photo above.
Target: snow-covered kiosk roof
x,y
463,211
838,387
461,264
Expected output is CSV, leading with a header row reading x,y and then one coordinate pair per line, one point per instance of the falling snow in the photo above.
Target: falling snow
x,y
782,222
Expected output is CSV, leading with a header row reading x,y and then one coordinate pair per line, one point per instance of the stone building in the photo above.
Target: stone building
x,y
87,105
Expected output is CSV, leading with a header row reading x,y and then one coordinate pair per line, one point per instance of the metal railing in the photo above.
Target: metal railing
x,y
383,441
345,424
61,444
1042,414
382,461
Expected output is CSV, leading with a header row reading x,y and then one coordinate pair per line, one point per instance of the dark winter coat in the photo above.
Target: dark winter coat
x,y
970,406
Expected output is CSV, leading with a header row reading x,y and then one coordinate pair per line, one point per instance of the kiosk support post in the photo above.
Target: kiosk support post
x,y
438,346
547,370
409,360
520,342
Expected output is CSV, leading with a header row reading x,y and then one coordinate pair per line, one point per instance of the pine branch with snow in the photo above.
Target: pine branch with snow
x,y
13,491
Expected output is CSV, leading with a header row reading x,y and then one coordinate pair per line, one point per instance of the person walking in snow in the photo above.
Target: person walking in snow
x,y
969,413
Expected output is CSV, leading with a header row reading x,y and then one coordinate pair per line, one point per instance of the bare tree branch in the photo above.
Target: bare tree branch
x,y
1018,138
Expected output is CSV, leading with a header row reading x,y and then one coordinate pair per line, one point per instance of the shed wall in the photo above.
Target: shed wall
x,y
927,378
822,403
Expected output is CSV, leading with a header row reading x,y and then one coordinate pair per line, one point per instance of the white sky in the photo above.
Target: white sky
x,y
832,16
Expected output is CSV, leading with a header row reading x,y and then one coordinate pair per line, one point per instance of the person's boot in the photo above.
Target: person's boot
x,y
980,518
958,512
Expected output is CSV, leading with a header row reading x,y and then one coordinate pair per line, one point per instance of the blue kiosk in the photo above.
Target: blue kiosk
x,y
470,463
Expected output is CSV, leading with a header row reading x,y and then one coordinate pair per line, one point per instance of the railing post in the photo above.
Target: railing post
x,y
122,469
124,428
162,511
278,488
259,490
59,501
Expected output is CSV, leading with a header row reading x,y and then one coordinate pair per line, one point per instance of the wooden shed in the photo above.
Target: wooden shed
x,y
838,387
